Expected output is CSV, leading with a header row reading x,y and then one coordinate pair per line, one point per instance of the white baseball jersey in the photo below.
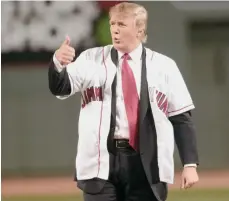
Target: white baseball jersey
x,y
92,74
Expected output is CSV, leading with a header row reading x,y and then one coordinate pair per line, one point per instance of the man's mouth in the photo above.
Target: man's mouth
x,y
116,40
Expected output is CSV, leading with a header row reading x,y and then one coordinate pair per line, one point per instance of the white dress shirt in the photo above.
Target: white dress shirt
x,y
135,63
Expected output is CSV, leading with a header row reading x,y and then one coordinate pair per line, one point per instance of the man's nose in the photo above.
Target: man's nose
x,y
115,30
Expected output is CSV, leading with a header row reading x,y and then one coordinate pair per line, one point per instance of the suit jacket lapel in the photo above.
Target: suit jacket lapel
x,y
114,58
111,62
144,96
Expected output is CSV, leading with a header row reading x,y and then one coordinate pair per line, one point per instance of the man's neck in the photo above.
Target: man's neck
x,y
130,49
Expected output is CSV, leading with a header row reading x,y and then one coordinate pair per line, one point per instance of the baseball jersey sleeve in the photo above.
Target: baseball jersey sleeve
x,y
179,99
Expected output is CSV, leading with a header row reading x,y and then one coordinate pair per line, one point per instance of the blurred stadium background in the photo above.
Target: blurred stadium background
x,y
39,132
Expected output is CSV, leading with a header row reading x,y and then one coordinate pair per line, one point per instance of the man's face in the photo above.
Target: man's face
x,y
123,32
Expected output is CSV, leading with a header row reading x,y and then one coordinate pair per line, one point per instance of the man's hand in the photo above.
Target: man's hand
x,y
189,177
65,54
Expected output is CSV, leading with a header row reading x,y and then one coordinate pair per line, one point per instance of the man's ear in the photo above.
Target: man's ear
x,y
140,32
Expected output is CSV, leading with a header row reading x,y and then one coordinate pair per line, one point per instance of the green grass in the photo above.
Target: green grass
x,y
199,195
175,195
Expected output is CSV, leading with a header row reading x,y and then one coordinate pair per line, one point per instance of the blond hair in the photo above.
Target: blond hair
x,y
139,12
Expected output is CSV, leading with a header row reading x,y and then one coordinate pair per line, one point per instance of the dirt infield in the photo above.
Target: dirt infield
x,y
65,185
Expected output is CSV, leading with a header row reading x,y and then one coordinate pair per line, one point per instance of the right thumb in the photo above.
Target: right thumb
x,y
67,41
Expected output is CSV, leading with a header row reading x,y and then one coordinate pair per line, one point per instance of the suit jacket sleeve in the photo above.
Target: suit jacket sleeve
x,y
64,82
185,137
59,83
180,105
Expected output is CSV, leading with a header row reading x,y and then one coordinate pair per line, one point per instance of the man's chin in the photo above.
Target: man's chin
x,y
118,46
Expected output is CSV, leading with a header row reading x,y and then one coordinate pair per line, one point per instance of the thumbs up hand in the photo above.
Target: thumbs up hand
x,y
65,54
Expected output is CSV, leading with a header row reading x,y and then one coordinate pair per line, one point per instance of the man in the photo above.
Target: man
x,y
134,103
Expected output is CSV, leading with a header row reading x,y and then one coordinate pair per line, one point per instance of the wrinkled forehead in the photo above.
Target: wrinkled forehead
x,y
122,16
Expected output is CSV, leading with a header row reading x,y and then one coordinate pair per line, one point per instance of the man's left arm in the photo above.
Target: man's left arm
x,y
185,137
179,112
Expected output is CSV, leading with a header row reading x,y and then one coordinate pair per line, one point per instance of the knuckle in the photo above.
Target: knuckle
x,y
58,57
72,49
57,53
67,54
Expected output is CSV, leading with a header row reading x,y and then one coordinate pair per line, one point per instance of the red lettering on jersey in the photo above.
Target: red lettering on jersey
x,y
98,93
161,100
159,94
85,97
164,106
92,94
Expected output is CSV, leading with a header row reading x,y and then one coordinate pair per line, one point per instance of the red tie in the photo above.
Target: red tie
x,y
131,101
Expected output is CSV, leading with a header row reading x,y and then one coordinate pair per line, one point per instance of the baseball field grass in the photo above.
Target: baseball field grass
x,y
174,195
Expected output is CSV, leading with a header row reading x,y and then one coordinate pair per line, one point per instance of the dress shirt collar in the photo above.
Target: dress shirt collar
x,y
135,54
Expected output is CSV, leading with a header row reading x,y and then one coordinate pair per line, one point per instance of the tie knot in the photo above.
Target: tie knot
x,y
126,56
